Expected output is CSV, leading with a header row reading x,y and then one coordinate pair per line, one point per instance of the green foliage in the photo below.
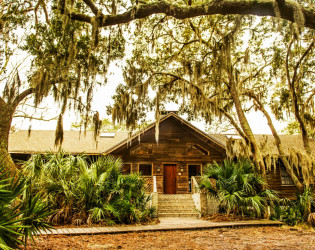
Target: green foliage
x,y
35,213
10,221
83,190
238,188
21,213
296,211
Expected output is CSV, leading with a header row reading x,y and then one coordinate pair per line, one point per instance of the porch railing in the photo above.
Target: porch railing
x,y
195,180
149,187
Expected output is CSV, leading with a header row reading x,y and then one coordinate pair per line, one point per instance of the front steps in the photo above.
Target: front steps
x,y
176,205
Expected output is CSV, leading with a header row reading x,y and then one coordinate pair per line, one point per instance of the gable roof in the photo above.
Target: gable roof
x,y
268,146
42,141
75,142
152,125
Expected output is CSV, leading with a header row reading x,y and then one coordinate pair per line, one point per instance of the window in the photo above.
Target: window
x,y
126,168
285,177
145,169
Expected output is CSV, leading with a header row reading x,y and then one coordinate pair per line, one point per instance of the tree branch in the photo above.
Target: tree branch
x,y
277,139
92,6
309,98
21,96
255,75
222,110
25,116
300,61
287,11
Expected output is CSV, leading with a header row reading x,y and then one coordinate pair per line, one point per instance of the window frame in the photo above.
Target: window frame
x,y
126,163
145,163
285,177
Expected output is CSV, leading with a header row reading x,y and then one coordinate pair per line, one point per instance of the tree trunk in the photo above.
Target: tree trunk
x,y
257,156
6,115
284,159
293,86
298,115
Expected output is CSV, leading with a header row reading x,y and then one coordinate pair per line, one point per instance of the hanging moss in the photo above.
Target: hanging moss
x,y
59,131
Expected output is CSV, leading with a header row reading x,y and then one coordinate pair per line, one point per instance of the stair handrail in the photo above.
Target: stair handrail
x,y
154,184
194,185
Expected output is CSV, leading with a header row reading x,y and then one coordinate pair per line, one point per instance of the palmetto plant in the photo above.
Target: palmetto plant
x,y
55,176
10,213
35,215
108,196
238,188
21,214
294,212
83,190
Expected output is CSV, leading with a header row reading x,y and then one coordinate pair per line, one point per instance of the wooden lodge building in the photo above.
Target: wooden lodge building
x,y
181,152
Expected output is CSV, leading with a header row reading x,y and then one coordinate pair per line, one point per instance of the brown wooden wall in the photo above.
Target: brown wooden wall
x,y
274,182
176,145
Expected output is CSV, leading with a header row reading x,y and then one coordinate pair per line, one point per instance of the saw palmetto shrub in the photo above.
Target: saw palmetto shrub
x,y
22,213
298,211
238,188
85,191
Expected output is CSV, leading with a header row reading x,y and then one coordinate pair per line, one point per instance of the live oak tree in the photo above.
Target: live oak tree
x,y
13,15
195,59
66,61
296,91
74,41
204,62
293,66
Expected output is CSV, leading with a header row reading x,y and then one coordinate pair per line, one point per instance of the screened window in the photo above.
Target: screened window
x,y
145,169
126,168
285,177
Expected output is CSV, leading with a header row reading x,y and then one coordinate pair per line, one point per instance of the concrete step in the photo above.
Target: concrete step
x,y
175,196
187,215
175,206
188,210
179,203
176,201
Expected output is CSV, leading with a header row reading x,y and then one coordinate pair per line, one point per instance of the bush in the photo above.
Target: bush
x,y
21,214
238,188
296,211
85,191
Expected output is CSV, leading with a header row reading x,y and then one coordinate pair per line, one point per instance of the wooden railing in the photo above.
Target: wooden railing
x,y
148,184
195,184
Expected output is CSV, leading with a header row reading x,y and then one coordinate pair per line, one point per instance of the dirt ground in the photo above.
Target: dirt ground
x,y
238,238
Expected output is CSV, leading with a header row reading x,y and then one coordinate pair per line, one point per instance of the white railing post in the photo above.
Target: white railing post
x,y
154,184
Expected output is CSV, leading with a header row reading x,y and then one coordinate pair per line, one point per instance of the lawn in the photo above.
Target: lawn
x,y
238,238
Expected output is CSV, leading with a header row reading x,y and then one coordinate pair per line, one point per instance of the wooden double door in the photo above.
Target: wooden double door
x,y
170,174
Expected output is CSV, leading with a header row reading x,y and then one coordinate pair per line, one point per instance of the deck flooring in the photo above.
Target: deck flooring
x,y
166,224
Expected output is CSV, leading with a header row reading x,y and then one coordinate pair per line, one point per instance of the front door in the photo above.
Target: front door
x,y
170,179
